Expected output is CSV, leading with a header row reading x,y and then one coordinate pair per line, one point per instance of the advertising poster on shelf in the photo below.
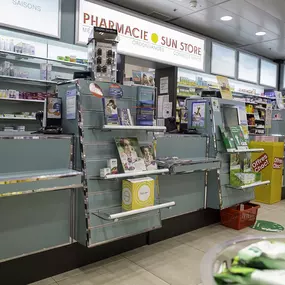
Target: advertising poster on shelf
x,y
198,114
268,116
224,87
163,86
71,104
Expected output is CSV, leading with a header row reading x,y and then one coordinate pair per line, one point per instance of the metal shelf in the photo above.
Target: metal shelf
x,y
28,176
124,214
131,174
246,150
140,128
29,81
19,56
255,184
26,192
22,100
18,118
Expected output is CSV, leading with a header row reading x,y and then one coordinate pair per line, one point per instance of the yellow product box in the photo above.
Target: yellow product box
x,y
137,193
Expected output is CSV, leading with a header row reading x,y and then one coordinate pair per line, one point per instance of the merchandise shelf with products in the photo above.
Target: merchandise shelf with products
x,y
225,121
106,127
30,69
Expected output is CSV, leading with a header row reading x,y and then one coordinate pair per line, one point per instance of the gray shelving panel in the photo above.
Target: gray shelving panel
x,y
38,165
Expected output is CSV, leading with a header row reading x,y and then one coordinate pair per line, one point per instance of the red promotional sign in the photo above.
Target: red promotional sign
x,y
260,163
278,163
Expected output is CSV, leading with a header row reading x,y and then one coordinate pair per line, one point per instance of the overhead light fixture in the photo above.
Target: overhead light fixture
x,y
260,33
226,18
193,3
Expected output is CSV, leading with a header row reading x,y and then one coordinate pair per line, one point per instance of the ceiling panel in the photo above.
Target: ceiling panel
x,y
275,8
164,7
238,32
255,15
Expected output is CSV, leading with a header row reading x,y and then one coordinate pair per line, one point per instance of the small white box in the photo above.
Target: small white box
x,y
113,165
104,172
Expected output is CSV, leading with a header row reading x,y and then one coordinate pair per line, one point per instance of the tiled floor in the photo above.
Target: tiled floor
x,y
175,261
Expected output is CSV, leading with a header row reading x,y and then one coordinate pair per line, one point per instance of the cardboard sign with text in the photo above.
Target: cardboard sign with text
x,y
260,163
225,88
278,163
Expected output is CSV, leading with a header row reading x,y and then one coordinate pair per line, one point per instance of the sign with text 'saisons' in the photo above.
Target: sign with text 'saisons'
x,y
141,38
37,16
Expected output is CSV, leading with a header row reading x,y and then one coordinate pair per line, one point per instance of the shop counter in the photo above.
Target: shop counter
x,y
37,189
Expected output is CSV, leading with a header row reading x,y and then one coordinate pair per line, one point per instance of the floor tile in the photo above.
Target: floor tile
x,y
129,273
177,265
97,276
47,281
206,238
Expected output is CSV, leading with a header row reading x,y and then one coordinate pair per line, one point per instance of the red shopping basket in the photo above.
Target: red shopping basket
x,y
238,219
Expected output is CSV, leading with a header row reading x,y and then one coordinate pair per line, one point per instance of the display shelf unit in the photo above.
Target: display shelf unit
x,y
247,186
21,56
37,199
29,81
202,164
18,118
131,174
221,196
132,128
22,100
125,214
32,176
245,150
94,148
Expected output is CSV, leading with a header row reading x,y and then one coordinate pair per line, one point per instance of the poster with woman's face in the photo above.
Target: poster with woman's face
x,y
149,157
130,154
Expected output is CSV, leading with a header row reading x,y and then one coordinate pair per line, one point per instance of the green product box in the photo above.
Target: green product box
x,y
239,139
227,139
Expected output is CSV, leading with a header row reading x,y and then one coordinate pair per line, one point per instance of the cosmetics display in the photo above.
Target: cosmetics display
x,y
22,95
102,54
21,47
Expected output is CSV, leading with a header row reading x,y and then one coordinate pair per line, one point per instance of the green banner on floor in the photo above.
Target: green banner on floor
x,y
265,226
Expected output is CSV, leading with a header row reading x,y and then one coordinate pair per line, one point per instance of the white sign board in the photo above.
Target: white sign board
x,y
268,73
37,16
223,60
248,67
141,38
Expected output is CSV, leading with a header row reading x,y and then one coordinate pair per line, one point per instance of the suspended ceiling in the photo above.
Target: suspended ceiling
x,y
249,17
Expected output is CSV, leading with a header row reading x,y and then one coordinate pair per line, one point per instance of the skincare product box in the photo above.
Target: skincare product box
x,y
137,193
112,164
104,172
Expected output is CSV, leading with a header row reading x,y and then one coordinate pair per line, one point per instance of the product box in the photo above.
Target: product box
x,y
239,139
112,164
227,139
104,172
137,193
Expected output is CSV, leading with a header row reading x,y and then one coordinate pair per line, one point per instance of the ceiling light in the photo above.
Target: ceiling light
x,y
193,3
226,18
260,33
